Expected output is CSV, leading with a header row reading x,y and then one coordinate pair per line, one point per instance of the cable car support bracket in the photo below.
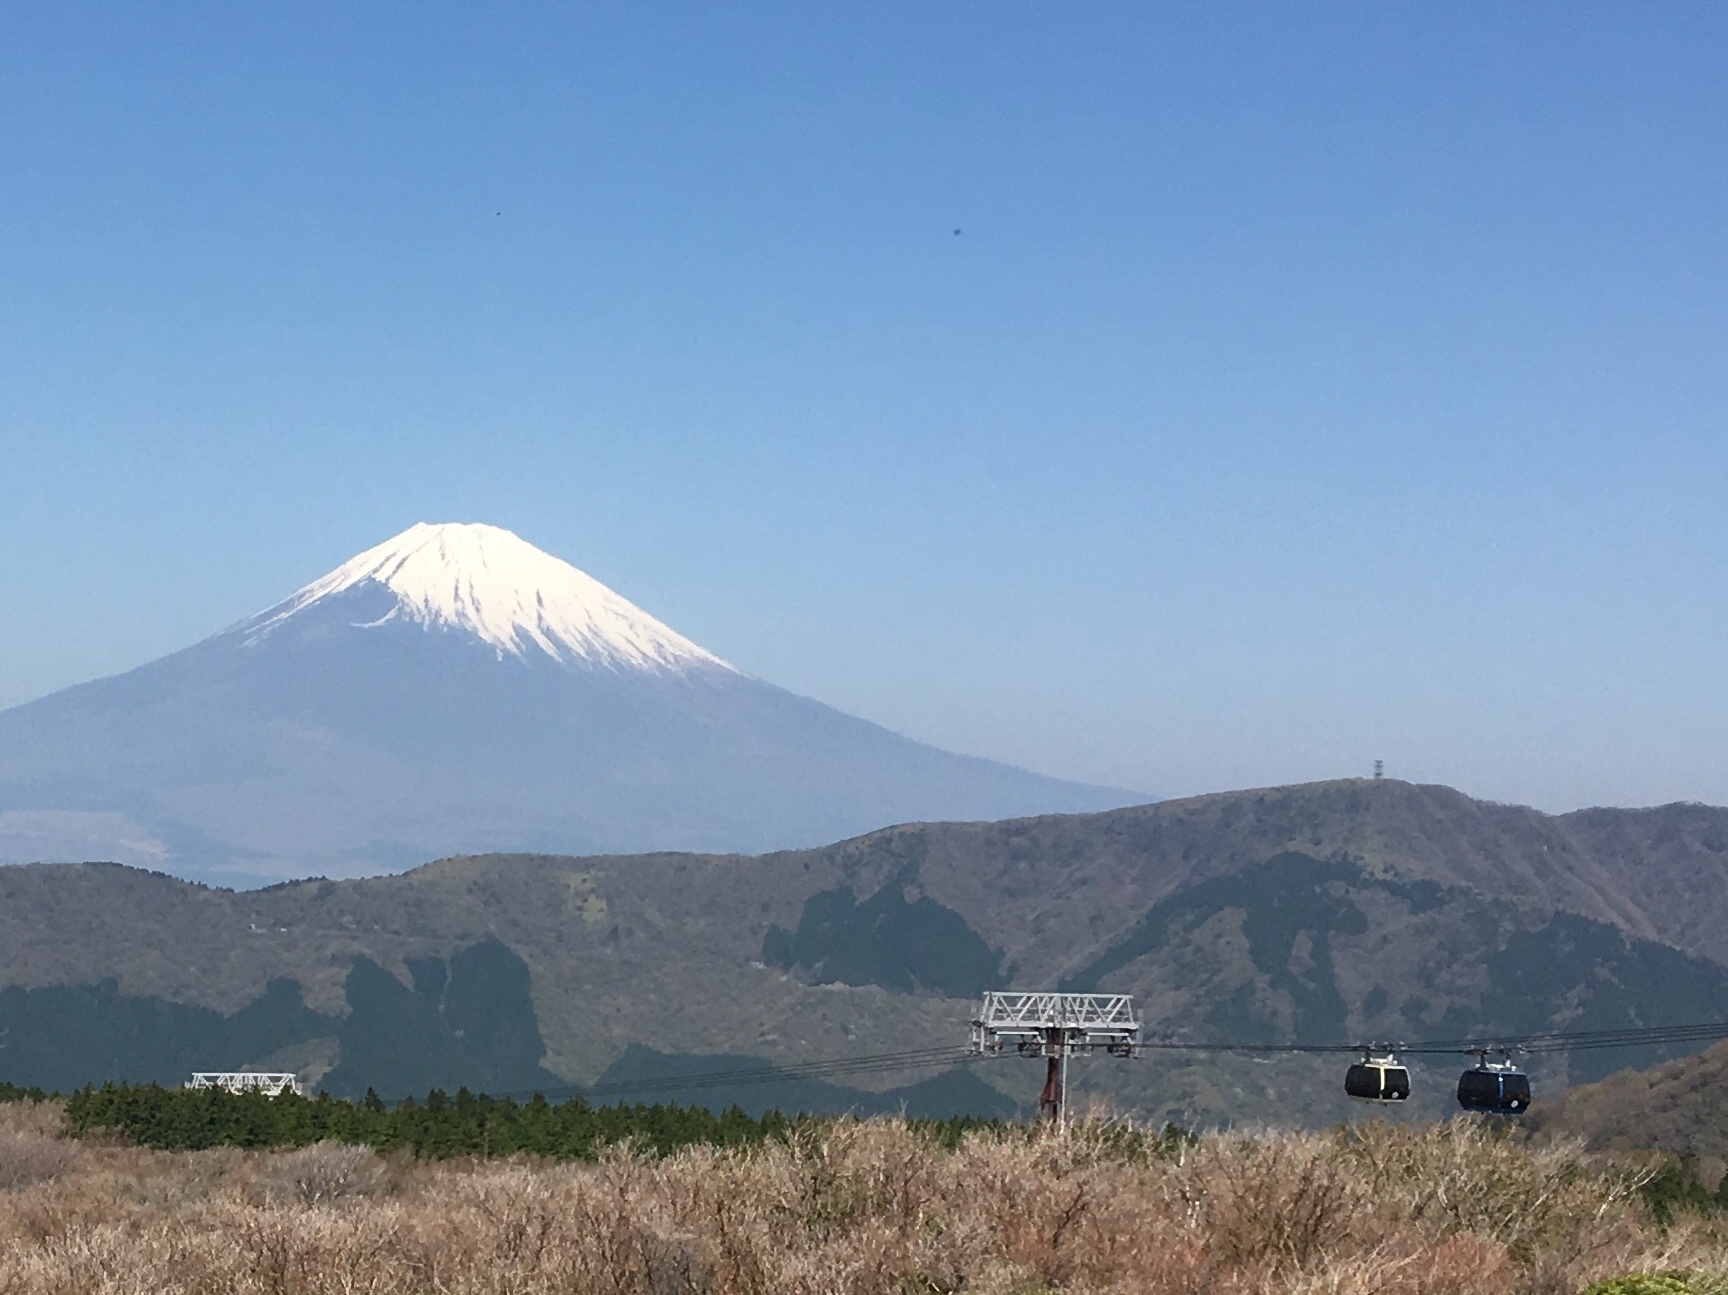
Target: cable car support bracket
x,y
1056,1026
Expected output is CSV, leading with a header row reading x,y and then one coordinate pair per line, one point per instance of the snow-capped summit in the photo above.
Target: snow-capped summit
x,y
457,691
500,588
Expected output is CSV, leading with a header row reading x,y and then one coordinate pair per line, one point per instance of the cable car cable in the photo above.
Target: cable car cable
x,y
916,1059
1541,1043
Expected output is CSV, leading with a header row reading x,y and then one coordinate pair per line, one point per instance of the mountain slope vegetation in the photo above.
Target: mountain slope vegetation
x,y
1332,912
1678,1106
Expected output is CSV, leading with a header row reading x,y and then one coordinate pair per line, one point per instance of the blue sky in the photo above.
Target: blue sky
x,y
1307,384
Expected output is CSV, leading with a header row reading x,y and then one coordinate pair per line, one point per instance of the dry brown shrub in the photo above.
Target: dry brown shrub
x,y
319,1174
29,1158
852,1208
33,1145
1694,1245
46,1118
183,1180
1270,1200
1462,1177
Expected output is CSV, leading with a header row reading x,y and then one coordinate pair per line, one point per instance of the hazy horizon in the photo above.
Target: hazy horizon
x,y
1177,401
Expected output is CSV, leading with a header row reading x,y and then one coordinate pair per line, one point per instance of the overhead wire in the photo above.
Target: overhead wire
x,y
911,1059
1538,1043
923,1059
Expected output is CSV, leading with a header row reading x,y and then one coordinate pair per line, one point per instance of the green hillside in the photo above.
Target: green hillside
x,y
1333,912
1678,1106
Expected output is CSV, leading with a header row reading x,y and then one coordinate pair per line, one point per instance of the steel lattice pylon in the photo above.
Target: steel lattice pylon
x,y
1055,1026
246,1081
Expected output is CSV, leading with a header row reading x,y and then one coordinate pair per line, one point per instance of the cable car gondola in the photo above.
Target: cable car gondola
x,y
1380,1078
1495,1086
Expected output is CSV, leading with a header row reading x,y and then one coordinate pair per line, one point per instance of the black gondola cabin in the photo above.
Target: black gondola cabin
x,y
1494,1086
1377,1079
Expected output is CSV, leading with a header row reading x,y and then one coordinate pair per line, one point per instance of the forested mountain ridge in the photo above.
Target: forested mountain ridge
x,y
1679,1106
1355,909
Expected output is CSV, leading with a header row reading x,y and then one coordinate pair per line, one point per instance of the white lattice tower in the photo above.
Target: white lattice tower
x,y
1055,1026
273,1084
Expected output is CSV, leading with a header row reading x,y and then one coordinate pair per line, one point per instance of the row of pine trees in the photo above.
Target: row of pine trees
x,y
438,1127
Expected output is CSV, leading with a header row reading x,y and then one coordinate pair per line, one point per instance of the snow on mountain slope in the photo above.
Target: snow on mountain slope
x,y
455,690
500,588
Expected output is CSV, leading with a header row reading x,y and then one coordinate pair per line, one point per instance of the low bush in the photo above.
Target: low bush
x,y
843,1207
319,1174
1657,1284
32,1149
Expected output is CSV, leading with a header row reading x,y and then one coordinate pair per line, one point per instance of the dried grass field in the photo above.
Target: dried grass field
x,y
840,1207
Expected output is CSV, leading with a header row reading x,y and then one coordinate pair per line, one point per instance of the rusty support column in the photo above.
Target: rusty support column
x,y
1052,1099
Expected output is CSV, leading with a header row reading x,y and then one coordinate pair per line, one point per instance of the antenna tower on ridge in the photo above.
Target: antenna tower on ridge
x,y
1379,769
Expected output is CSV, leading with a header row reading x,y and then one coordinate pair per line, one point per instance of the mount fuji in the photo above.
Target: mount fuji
x,y
456,690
